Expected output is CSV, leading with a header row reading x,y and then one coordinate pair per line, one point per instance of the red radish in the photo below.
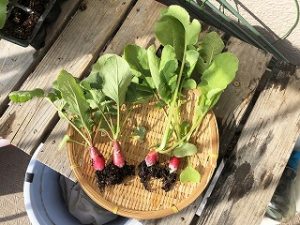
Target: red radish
x,y
151,158
98,160
118,158
174,163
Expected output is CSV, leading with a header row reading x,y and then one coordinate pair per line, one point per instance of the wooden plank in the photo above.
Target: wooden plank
x,y
75,49
262,151
137,28
230,108
16,62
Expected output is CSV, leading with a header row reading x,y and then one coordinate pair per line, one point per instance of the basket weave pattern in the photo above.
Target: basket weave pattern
x,y
130,198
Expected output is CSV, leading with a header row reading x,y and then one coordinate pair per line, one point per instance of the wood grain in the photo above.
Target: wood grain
x,y
17,62
137,28
247,185
74,50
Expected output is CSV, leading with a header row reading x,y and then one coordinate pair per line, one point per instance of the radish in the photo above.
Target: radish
x,y
68,98
185,67
118,158
115,76
151,158
174,163
97,158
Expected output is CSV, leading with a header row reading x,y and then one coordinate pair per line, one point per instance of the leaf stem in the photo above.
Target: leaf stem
x,y
109,124
76,142
172,105
71,123
83,121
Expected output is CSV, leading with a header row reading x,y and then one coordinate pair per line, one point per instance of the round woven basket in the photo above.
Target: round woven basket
x,y
130,199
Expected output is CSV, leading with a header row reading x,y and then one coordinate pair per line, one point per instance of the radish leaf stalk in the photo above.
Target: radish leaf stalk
x,y
186,62
107,86
69,100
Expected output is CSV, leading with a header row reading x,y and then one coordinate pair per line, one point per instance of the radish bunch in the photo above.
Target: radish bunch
x,y
107,86
93,106
184,63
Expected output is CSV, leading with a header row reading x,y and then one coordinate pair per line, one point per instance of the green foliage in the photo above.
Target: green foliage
x,y
185,63
174,28
24,96
163,71
136,57
72,94
139,133
115,74
189,174
184,150
107,89
3,12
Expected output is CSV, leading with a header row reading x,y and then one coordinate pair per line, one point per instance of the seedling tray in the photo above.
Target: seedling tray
x,y
16,7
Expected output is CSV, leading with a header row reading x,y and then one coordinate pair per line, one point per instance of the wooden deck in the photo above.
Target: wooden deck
x,y
258,115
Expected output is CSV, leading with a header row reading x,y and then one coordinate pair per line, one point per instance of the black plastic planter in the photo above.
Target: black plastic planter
x,y
19,13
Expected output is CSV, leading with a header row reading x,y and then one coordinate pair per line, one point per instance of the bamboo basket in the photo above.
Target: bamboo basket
x,y
130,199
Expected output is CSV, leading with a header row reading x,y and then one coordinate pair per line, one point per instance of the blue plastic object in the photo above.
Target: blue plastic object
x,y
294,160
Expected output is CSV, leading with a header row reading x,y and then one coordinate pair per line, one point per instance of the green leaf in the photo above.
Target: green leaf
x,y
159,81
200,67
95,99
211,46
138,93
168,62
136,57
116,76
3,12
139,133
218,75
191,61
189,84
184,128
186,149
73,95
65,140
149,82
214,80
24,96
174,28
93,81
189,174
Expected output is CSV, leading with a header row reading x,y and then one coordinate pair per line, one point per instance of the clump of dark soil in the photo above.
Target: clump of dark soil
x,y
113,175
156,171
37,6
169,180
20,23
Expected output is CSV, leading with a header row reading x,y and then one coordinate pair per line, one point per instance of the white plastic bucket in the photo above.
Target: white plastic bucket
x,y
43,200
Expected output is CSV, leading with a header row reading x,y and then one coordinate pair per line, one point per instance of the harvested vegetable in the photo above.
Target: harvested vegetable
x,y
185,63
91,106
69,100
107,86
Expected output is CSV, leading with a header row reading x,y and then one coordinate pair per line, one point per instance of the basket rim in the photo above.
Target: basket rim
x,y
154,214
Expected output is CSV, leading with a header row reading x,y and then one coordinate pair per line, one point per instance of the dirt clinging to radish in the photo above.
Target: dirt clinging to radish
x,y
113,175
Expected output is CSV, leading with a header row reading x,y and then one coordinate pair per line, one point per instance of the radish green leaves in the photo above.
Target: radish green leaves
x,y
24,96
186,62
3,12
